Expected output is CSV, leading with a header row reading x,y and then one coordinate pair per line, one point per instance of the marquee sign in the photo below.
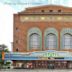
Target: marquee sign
x,y
52,54
44,54
46,18
40,55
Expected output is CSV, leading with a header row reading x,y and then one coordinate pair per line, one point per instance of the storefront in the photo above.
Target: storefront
x,y
42,64
42,59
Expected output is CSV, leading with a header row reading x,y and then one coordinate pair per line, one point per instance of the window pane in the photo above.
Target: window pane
x,y
34,41
51,41
67,41
67,46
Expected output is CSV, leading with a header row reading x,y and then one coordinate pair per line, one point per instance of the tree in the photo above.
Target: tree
x,y
5,49
3,46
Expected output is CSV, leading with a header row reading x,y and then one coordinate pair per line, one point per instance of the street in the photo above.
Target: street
x,y
36,70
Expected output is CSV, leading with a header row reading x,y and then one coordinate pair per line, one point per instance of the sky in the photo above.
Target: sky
x,y
9,7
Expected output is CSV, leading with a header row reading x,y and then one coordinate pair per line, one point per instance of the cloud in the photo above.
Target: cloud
x,y
69,3
6,24
21,4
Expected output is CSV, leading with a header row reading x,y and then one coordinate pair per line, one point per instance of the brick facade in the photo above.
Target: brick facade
x,y
21,28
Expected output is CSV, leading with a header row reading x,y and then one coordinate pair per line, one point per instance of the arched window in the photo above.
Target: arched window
x,y
67,41
51,41
34,41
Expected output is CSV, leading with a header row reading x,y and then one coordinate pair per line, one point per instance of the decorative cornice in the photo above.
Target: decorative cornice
x,y
46,10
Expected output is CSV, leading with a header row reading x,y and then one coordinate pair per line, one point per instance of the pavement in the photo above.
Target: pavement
x,y
36,70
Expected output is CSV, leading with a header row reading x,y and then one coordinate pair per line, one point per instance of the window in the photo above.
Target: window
x,y
16,41
42,10
51,41
50,10
67,41
17,29
34,41
59,10
17,50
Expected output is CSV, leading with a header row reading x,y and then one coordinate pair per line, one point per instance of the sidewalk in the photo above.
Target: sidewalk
x,y
34,70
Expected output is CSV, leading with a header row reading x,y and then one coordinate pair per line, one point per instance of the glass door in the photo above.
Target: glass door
x,y
51,64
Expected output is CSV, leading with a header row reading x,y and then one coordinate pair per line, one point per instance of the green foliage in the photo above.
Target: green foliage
x,y
4,47
6,50
8,63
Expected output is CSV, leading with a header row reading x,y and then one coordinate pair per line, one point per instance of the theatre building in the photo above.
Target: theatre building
x,y
43,37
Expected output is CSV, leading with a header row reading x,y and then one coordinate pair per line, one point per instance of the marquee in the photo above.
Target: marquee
x,y
40,55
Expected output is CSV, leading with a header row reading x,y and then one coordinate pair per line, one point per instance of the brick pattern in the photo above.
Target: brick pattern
x,y
20,34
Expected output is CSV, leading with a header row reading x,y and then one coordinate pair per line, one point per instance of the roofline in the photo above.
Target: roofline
x,y
48,6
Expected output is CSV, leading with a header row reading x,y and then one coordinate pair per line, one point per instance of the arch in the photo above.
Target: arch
x,y
31,32
52,31
65,31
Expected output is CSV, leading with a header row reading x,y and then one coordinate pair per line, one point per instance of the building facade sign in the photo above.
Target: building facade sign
x,y
46,18
52,54
42,54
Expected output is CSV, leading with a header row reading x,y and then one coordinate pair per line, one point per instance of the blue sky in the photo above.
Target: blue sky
x,y
9,7
21,4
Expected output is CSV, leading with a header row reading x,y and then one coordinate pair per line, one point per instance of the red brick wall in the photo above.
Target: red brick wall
x,y
25,26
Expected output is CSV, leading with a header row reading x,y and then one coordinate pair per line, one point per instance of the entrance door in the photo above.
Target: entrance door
x,y
51,64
